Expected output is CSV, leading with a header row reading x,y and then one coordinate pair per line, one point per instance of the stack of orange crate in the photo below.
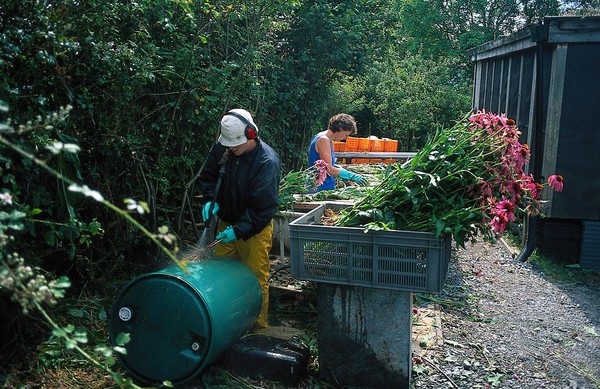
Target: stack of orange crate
x,y
351,147
377,146
339,147
390,146
364,146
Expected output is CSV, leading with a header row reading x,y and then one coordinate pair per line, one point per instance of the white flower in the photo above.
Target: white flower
x,y
6,198
58,147
133,205
86,191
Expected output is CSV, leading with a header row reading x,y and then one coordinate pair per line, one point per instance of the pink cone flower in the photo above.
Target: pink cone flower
x,y
556,182
506,208
498,223
533,187
321,173
520,155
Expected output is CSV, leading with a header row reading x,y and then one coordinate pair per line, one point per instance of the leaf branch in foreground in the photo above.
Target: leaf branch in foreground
x,y
86,191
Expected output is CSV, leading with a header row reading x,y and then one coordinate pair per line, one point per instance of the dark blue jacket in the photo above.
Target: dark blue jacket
x,y
248,196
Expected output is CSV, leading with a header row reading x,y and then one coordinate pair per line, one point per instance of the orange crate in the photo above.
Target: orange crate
x,y
338,146
352,144
364,144
376,160
391,145
377,145
389,160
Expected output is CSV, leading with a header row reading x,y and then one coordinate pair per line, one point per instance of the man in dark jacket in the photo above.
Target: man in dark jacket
x,y
247,197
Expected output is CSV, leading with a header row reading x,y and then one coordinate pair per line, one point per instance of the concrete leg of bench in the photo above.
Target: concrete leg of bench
x,y
364,336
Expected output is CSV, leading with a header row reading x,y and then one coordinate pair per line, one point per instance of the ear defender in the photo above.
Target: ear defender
x,y
250,131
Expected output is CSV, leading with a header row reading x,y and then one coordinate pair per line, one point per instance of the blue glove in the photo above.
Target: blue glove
x,y
206,211
346,175
228,235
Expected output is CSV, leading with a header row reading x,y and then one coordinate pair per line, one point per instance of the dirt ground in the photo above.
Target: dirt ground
x,y
515,328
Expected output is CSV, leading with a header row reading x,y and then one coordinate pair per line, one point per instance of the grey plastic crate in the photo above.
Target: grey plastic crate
x,y
398,260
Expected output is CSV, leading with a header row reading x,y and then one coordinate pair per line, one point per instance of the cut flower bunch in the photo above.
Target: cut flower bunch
x,y
468,179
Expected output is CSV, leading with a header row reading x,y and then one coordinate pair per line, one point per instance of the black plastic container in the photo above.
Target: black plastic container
x,y
260,356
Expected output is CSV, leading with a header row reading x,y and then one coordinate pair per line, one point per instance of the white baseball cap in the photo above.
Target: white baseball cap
x,y
233,128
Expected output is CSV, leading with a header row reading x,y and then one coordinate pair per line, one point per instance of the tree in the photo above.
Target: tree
x,y
416,96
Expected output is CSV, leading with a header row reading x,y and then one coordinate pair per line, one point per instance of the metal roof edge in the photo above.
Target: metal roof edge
x,y
521,39
553,29
573,29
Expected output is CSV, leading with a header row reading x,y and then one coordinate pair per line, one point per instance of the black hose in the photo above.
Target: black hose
x,y
530,243
203,240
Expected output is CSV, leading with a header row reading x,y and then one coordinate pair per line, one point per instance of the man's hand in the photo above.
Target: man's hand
x,y
228,235
207,211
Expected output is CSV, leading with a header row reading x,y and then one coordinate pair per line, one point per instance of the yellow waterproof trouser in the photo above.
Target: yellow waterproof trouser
x,y
254,253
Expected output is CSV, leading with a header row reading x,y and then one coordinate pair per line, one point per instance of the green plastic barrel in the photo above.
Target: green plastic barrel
x,y
180,323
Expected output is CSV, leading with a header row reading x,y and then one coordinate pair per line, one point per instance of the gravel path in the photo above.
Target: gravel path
x,y
515,328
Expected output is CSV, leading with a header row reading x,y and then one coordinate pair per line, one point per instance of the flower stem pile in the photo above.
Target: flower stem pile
x,y
467,180
295,182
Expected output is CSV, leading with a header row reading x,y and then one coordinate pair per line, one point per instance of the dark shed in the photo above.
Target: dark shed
x,y
547,78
